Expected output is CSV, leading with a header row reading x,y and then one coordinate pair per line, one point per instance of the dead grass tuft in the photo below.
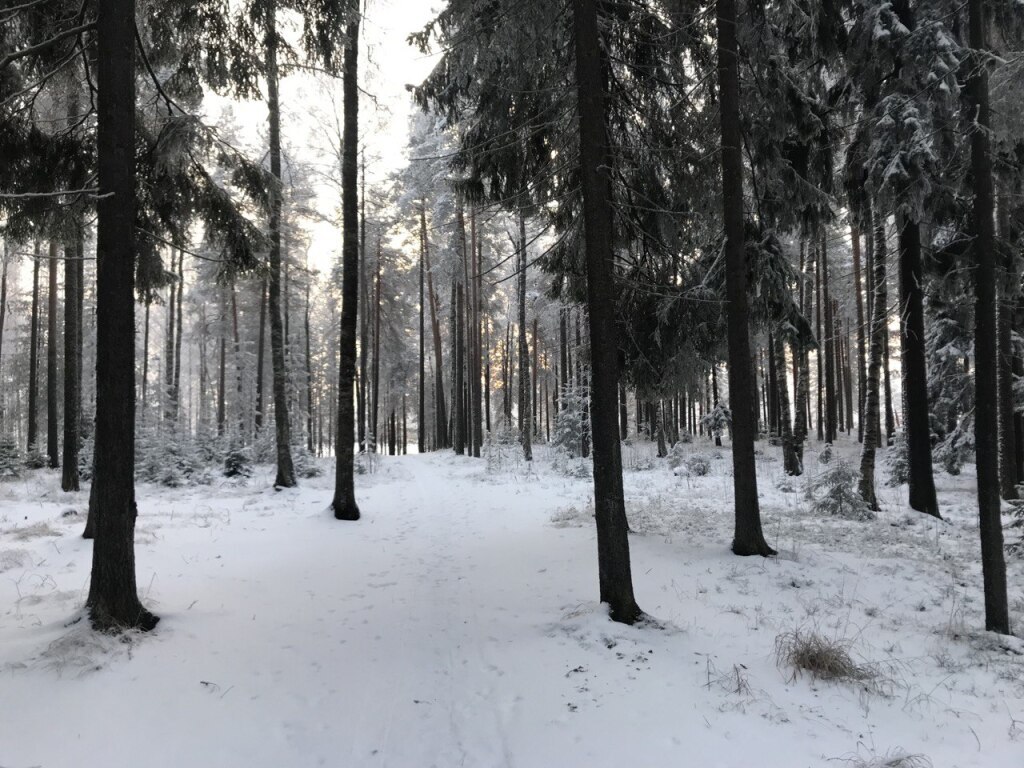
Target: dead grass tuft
x,y
822,657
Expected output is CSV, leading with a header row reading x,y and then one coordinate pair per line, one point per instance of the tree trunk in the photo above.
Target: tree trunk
x,y
459,356
1004,366
309,369
421,445
440,407
822,346
222,373
993,564
282,430
872,436
69,480
113,600
861,342
791,460
915,371
52,431
374,436
363,317
616,582
261,345
802,376
176,383
525,417
344,502
830,356
33,359
749,538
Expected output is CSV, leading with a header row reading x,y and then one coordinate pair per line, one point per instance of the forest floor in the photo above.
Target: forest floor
x,y
457,625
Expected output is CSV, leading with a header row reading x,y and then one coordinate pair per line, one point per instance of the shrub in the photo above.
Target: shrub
x,y
897,459
305,463
237,462
834,492
35,459
10,458
826,455
717,420
697,466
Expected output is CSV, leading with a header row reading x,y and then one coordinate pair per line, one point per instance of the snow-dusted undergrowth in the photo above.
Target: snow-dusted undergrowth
x,y
457,624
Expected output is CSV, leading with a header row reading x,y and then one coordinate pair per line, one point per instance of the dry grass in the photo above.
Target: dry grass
x,y
36,531
821,657
895,759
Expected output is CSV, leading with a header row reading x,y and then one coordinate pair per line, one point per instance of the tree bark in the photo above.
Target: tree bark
x,y
285,477
748,538
791,460
52,430
440,407
261,345
861,341
872,432
421,445
113,600
830,356
993,563
615,578
525,417
69,480
33,359
344,502
915,371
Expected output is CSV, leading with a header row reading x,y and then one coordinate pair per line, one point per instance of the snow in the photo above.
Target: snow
x,y
456,625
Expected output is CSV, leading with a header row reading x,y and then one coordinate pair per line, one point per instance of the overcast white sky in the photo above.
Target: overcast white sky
x,y
387,64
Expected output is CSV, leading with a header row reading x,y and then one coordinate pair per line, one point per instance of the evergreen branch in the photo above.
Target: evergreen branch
x,y
39,47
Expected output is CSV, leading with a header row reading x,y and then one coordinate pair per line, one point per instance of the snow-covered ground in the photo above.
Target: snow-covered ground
x,y
457,625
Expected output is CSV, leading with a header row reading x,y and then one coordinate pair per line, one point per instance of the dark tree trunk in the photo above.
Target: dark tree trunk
x,y
749,538
459,357
421,445
440,407
3,308
375,437
222,373
822,347
993,564
261,345
309,374
33,359
915,371
344,502
525,419
178,333
872,433
772,389
285,477
861,341
113,599
237,348
168,362
616,582
52,429
802,375
363,317
830,357
73,357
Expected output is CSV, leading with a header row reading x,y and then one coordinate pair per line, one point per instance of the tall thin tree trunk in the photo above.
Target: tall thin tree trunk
x,y
749,538
830,357
440,407
178,333
33,358
285,477
375,390
917,426
1004,365
73,357
861,342
52,429
802,376
822,346
525,417
872,432
615,578
791,461
113,599
309,369
344,501
993,563
261,345
421,445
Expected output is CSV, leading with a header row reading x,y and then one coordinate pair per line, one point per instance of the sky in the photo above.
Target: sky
x,y
387,64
